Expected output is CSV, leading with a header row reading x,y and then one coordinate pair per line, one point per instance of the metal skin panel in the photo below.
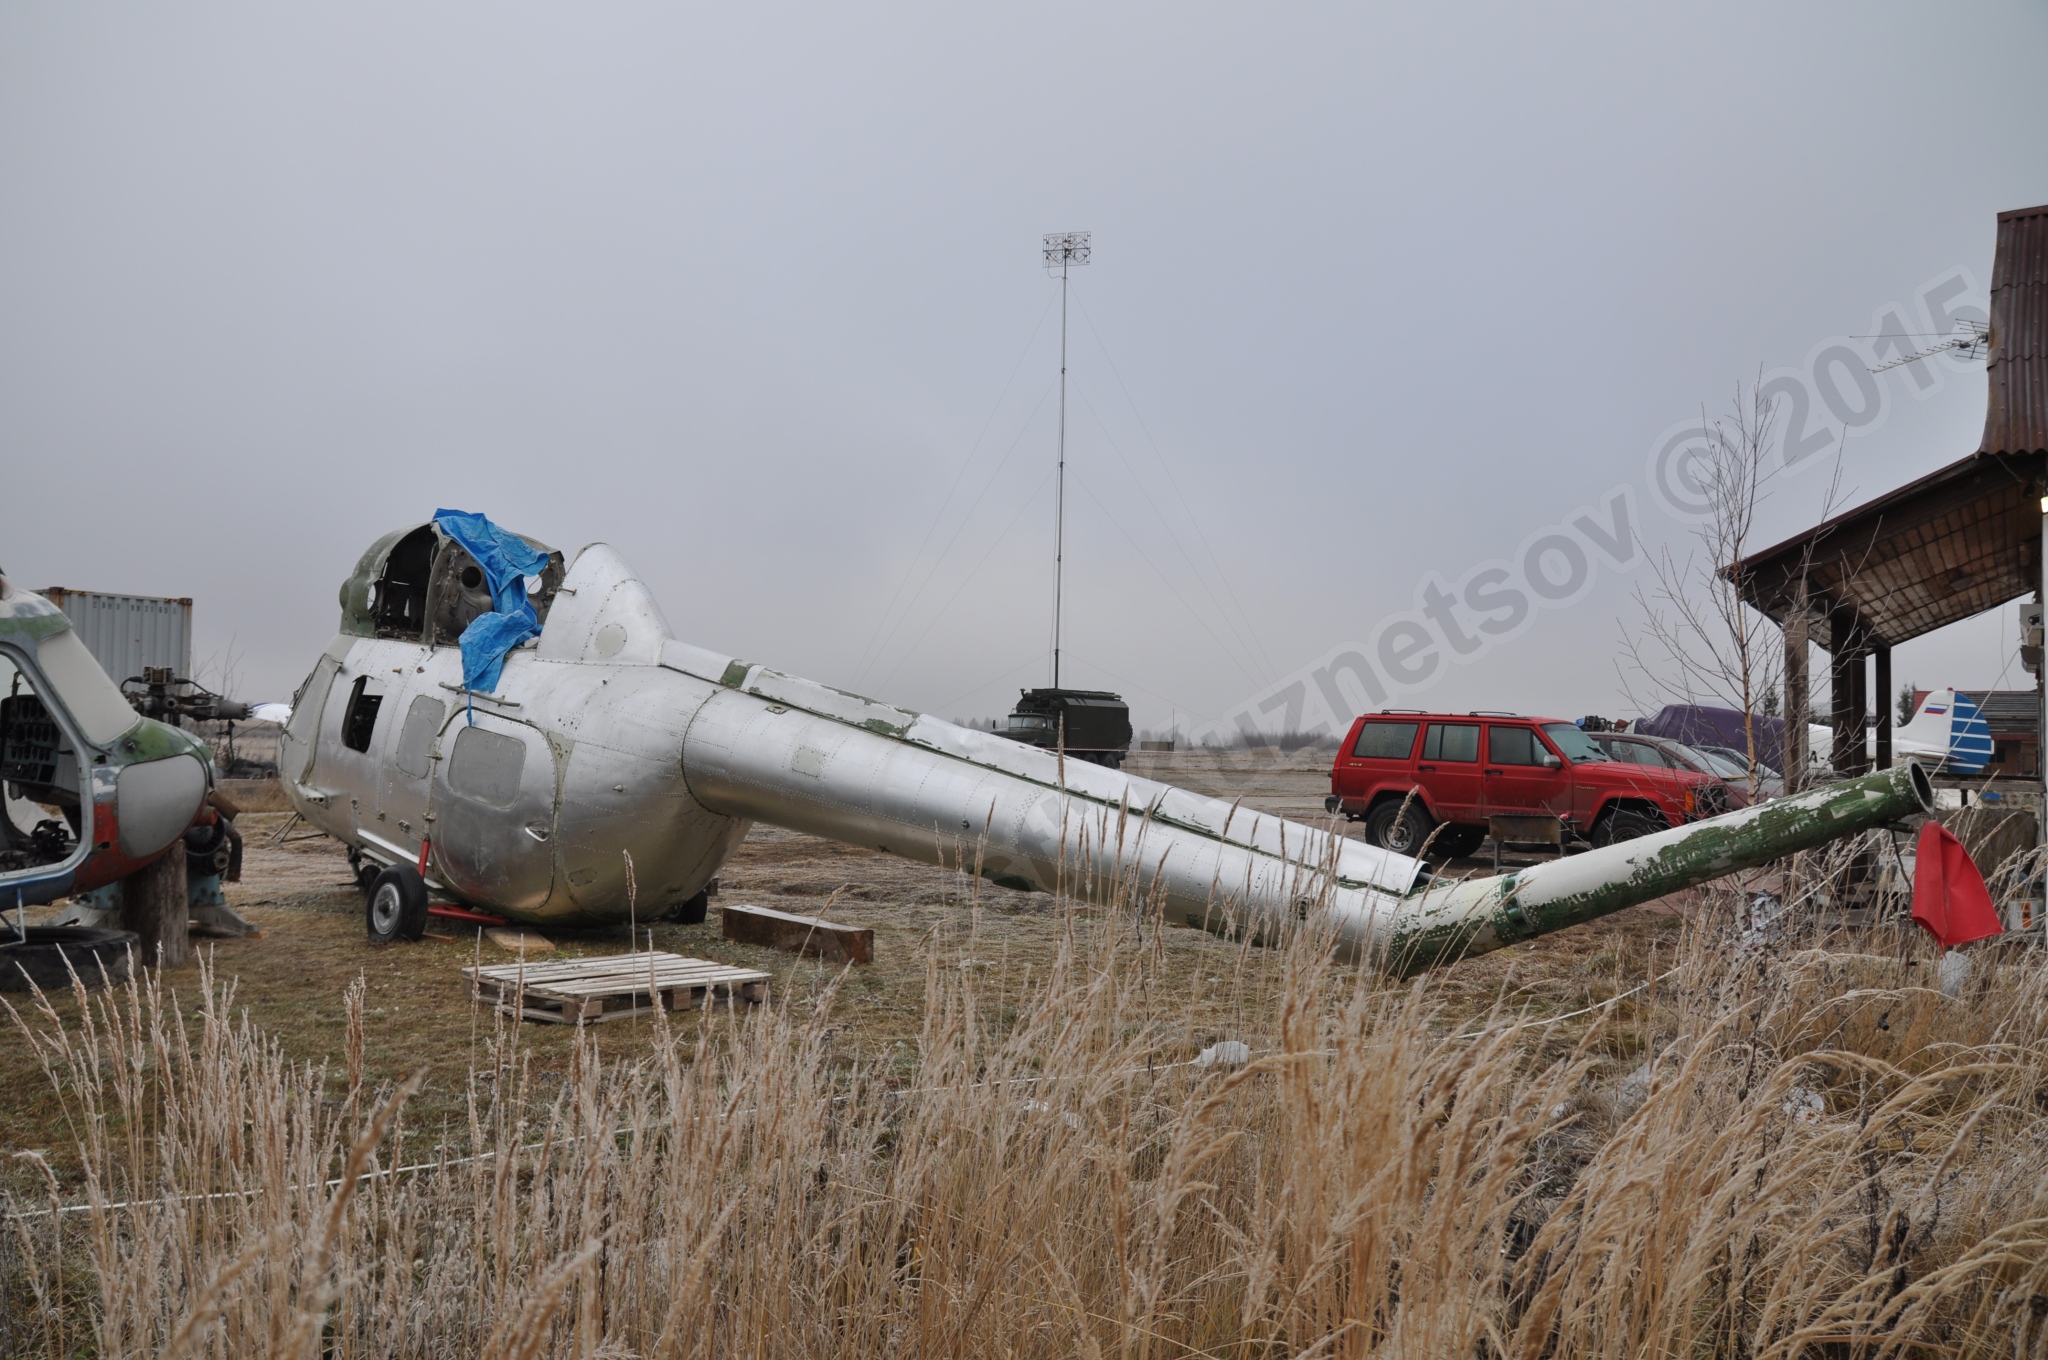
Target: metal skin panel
x,y
157,799
485,852
625,791
604,614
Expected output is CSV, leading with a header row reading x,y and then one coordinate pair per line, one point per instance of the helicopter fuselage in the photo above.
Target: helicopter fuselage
x,y
608,740
613,768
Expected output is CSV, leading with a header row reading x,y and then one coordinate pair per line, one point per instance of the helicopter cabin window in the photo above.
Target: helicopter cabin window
x,y
40,780
416,738
359,721
399,601
486,766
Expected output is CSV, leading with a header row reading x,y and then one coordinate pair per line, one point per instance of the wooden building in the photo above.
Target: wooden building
x,y
1964,539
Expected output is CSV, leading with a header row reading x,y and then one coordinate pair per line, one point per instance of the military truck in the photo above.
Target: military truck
x,y
1092,724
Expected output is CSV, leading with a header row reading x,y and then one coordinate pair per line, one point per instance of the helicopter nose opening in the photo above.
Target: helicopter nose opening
x,y
156,800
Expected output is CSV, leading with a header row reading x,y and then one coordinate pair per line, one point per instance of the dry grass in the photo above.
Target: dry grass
x,y
1824,1159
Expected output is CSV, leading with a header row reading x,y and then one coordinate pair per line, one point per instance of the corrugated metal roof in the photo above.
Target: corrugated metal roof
x,y
2016,415
1963,539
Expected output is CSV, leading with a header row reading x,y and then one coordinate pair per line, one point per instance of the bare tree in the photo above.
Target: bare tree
x,y
1699,642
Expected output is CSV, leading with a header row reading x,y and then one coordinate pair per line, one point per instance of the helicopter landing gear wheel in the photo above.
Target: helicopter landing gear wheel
x,y
397,908
691,911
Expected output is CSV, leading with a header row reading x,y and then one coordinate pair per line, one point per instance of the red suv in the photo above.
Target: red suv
x,y
1530,765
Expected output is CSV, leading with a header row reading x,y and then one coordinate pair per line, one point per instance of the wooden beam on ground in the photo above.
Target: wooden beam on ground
x,y
806,935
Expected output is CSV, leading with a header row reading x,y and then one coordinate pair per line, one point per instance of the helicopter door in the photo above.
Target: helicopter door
x,y
494,795
402,790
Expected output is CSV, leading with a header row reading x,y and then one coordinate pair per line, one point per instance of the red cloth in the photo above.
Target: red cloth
x,y
1949,896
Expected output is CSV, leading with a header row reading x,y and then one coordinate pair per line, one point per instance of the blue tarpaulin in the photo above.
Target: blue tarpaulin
x,y
506,561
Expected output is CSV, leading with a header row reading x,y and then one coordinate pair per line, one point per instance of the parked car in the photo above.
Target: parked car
x,y
1404,774
1664,753
1769,782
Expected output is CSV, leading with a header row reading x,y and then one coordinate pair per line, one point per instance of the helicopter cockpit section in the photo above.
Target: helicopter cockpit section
x,y
90,791
41,783
418,585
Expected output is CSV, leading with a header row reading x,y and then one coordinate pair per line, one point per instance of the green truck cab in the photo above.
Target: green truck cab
x,y
1089,724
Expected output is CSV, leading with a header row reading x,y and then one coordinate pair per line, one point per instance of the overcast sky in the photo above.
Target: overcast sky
x,y
753,293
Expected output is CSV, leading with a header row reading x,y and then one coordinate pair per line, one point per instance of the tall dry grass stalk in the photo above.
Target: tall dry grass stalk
x,y
1825,1157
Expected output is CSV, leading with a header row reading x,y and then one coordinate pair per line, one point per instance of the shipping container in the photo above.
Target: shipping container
x,y
128,633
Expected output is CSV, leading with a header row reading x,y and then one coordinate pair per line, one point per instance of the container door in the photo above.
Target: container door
x,y
494,795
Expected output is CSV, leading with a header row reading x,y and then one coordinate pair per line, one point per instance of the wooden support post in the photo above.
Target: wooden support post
x,y
1882,663
1859,698
1796,691
1849,695
154,906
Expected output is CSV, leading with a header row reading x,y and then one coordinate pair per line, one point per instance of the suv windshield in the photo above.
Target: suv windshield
x,y
1575,745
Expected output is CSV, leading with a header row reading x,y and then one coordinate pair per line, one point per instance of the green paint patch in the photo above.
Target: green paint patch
x,y
33,627
735,672
151,740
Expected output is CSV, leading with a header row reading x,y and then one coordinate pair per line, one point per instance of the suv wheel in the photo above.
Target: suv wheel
x,y
1389,828
1625,824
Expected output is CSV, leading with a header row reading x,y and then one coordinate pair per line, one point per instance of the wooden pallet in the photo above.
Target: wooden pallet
x,y
612,987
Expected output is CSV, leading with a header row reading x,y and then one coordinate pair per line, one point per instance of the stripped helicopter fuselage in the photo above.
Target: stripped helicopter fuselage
x,y
606,738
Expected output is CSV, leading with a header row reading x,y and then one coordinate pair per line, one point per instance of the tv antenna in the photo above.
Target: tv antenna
x,y
1063,250
1972,340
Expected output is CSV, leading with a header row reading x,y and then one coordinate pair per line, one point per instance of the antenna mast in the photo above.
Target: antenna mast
x,y
1063,249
